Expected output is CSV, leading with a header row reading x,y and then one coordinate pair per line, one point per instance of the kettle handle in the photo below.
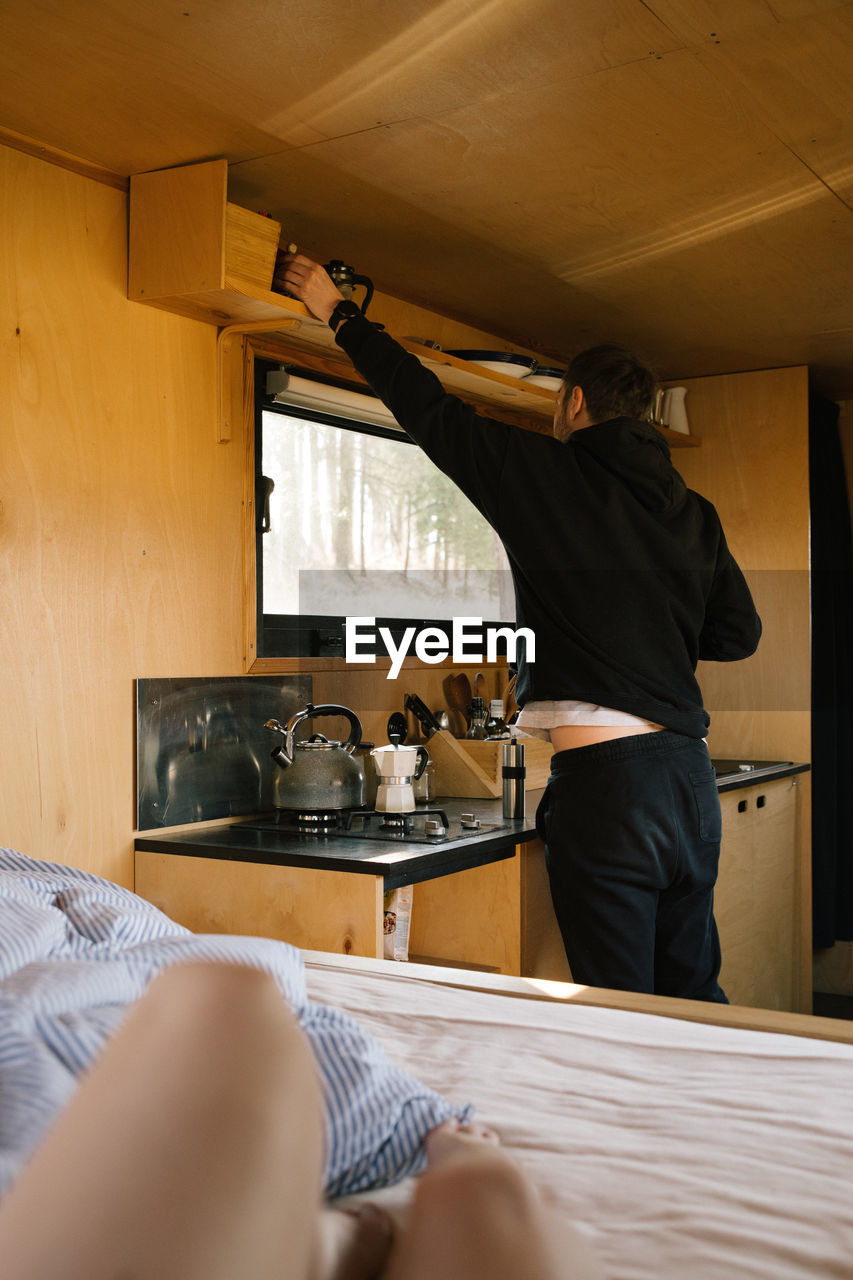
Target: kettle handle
x,y
329,709
368,284
423,761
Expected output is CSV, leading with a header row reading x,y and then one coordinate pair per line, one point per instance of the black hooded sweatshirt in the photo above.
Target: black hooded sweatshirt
x,y
621,571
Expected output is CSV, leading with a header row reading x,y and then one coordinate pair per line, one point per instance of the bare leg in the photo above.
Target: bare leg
x,y
191,1151
353,1246
475,1215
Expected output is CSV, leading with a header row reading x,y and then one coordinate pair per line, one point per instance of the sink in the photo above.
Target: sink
x,y
727,768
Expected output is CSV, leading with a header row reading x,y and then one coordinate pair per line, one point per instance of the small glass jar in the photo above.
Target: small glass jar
x,y
424,786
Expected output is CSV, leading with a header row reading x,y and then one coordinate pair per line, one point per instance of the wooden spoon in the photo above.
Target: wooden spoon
x,y
457,692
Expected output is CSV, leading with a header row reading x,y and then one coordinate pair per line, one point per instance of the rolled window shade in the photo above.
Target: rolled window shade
x,y
336,401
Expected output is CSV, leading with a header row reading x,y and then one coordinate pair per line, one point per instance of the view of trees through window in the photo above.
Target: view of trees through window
x,y
365,524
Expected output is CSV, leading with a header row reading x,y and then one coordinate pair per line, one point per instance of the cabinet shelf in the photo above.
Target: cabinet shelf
x,y
197,255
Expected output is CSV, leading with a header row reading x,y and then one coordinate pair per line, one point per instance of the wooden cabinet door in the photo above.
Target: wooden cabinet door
x,y
757,895
315,909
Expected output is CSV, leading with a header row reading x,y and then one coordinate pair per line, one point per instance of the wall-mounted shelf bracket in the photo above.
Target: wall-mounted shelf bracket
x,y
229,361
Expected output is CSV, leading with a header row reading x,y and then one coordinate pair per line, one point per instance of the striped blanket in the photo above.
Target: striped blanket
x,y
76,951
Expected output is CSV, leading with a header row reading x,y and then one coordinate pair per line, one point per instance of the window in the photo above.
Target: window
x,y
356,521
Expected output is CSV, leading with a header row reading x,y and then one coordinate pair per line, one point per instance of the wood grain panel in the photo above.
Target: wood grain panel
x,y
677,191
120,517
543,953
177,230
756,902
794,75
327,910
35,147
675,176
753,465
472,917
711,21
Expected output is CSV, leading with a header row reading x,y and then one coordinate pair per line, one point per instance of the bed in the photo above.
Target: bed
x,y
684,1140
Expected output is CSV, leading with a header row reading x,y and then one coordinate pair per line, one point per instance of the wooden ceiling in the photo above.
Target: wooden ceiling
x,y
673,174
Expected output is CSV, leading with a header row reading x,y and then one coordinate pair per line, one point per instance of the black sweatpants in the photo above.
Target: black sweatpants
x,y
632,834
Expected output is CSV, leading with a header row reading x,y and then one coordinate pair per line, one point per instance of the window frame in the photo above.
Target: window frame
x,y
322,634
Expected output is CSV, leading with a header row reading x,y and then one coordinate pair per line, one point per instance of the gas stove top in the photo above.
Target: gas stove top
x,y
420,826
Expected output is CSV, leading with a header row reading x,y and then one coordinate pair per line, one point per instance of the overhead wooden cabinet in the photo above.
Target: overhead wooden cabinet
x,y
194,252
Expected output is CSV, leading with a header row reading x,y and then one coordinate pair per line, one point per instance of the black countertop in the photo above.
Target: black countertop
x,y
403,861
744,772
400,862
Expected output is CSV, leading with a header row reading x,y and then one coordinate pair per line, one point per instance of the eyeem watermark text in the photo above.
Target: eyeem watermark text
x,y
432,644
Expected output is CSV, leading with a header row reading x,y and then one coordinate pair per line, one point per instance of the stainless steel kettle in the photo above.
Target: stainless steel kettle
x,y
316,774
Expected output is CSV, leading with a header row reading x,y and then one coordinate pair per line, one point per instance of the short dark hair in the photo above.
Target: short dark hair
x,y
614,381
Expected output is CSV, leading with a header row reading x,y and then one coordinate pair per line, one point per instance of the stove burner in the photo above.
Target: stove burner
x,y
400,823
310,820
397,822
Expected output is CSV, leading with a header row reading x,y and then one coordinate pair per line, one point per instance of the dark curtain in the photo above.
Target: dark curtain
x,y
832,679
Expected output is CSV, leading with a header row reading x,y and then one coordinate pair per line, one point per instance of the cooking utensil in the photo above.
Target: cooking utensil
x,y
316,774
510,704
513,776
457,691
397,768
422,713
397,727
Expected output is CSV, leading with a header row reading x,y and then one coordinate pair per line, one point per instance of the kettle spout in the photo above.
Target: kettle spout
x,y
283,754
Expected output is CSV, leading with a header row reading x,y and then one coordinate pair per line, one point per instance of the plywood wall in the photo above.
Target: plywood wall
x,y
753,465
120,520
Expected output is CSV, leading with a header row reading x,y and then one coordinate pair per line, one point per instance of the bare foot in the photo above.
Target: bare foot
x,y
352,1244
497,1193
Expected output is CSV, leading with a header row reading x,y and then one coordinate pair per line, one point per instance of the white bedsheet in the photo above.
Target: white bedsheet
x,y
684,1151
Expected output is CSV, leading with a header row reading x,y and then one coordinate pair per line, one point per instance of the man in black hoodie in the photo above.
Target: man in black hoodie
x,y
624,576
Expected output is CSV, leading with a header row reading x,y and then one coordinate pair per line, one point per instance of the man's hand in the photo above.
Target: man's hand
x,y
310,283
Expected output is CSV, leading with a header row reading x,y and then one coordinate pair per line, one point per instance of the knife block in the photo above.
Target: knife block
x,y
466,767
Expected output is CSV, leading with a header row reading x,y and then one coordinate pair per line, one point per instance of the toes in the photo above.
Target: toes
x,y
480,1133
453,1138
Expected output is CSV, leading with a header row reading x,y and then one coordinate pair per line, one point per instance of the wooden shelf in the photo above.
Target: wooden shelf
x,y
195,254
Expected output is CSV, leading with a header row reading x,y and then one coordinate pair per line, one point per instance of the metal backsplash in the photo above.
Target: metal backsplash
x,y
201,747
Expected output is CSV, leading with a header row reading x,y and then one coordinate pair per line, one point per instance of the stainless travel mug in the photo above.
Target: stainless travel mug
x,y
513,774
